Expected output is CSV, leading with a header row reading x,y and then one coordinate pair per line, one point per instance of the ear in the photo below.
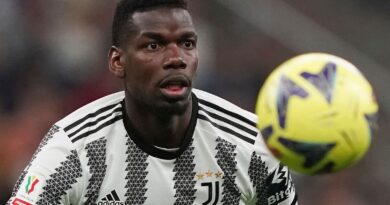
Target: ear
x,y
116,62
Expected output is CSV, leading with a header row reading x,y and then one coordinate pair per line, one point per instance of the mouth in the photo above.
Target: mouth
x,y
175,87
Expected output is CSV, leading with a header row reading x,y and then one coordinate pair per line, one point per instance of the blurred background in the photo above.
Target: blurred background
x,y
53,60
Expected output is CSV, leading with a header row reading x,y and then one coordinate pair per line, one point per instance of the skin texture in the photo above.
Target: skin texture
x,y
157,63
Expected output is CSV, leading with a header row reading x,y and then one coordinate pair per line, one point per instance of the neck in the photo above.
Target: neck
x,y
159,128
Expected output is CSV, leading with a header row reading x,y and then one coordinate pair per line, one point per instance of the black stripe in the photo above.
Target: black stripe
x,y
109,122
258,173
218,117
294,202
137,174
225,129
109,197
90,124
89,116
233,114
59,182
115,195
227,160
184,177
96,154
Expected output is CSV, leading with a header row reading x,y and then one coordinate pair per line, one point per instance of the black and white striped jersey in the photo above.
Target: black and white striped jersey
x,y
95,156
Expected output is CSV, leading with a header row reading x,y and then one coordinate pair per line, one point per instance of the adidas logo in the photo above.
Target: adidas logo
x,y
111,199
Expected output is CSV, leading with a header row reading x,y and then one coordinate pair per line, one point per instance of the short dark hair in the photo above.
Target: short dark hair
x,y
126,8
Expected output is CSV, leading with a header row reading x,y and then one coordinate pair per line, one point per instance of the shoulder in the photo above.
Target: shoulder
x,y
233,125
237,127
212,101
227,120
92,117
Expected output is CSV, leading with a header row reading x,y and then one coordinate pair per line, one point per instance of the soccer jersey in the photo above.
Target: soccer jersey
x,y
95,156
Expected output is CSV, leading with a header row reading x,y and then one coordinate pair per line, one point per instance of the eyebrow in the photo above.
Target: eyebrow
x,y
190,34
152,35
158,36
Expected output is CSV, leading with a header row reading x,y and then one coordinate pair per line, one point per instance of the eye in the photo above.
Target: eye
x,y
189,44
152,46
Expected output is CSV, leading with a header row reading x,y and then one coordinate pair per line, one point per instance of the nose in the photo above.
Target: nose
x,y
173,59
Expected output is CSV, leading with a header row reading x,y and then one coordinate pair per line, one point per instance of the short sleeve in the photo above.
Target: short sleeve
x,y
53,171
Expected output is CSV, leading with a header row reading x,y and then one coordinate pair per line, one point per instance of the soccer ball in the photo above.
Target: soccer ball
x,y
317,113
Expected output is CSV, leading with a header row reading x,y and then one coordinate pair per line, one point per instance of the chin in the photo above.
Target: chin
x,y
176,108
173,106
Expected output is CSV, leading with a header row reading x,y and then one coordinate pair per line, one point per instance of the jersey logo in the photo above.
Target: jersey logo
x,y
32,181
280,185
111,199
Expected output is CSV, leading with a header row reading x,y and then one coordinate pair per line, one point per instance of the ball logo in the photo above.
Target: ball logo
x,y
324,81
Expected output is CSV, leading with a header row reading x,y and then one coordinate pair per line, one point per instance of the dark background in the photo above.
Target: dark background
x,y
53,60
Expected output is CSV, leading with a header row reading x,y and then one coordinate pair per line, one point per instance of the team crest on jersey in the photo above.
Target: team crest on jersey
x,y
209,181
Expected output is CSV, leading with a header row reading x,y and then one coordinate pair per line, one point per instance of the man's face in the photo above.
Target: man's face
x,y
160,60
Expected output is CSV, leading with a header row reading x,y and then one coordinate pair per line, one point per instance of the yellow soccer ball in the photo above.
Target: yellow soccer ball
x,y
317,113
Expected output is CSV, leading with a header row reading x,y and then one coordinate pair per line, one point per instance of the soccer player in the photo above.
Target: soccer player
x,y
159,141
